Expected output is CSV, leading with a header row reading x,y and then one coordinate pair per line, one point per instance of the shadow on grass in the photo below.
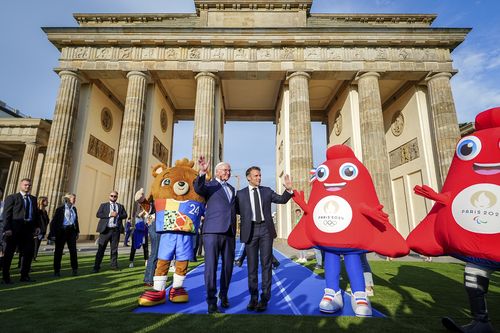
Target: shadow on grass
x,y
413,295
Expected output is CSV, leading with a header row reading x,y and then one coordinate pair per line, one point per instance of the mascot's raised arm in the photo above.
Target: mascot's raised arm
x,y
344,217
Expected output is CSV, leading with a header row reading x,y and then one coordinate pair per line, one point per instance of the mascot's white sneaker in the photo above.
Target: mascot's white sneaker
x,y
361,304
331,302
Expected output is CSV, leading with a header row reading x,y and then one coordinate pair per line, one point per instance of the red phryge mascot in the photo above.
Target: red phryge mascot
x,y
465,221
344,217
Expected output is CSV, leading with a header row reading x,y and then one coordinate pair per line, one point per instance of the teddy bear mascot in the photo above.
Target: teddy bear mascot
x,y
178,211
344,217
465,220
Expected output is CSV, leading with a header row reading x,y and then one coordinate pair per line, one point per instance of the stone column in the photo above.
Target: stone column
x,y
29,160
444,119
204,117
373,143
301,160
129,151
13,177
59,147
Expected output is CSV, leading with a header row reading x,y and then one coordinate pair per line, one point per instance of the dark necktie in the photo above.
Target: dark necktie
x,y
27,207
258,215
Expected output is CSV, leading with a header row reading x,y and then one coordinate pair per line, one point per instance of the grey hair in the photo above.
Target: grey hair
x,y
221,164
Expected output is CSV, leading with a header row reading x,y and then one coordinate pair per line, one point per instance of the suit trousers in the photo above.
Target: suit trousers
x,y
65,236
109,235
215,246
23,238
261,242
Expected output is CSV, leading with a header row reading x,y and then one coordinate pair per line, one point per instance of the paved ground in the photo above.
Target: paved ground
x,y
90,248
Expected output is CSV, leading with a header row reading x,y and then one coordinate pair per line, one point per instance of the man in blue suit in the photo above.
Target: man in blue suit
x,y
218,231
253,204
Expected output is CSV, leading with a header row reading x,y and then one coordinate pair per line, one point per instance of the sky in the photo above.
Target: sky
x,y
28,82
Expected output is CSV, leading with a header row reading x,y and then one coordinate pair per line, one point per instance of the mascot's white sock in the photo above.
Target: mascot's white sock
x,y
178,281
159,283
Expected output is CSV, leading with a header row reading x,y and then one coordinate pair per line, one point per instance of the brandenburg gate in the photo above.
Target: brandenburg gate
x,y
381,84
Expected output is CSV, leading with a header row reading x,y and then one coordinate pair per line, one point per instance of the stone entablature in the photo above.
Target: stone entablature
x,y
25,131
372,20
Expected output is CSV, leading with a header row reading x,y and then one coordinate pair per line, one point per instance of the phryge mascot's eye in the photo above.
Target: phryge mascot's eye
x,y
165,182
468,148
322,173
348,171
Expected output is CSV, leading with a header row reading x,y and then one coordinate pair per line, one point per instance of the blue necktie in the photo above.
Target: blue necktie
x,y
27,208
226,189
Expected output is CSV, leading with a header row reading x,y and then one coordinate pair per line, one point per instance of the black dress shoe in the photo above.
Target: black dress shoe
x,y
238,263
74,272
261,307
212,308
224,302
95,270
9,281
252,305
27,279
115,268
57,274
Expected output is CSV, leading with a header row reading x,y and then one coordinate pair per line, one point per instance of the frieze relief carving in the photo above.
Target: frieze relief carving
x,y
160,151
103,53
287,53
100,150
194,54
313,53
149,53
404,154
125,53
264,53
241,54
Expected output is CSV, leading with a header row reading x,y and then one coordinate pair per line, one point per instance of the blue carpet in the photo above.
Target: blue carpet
x,y
296,290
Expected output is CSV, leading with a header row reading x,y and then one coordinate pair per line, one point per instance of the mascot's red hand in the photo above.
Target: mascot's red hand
x,y
374,214
427,192
299,198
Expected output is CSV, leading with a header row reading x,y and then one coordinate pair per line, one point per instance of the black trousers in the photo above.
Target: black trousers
x,y
145,249
65,236
24,240
261,242
109,235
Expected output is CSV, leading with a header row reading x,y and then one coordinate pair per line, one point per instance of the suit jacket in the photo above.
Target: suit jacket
x,y
14,213
103,215
57,223
220,213
244,209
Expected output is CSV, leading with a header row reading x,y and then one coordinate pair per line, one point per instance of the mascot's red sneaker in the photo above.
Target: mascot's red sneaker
x,y
152,298
178,295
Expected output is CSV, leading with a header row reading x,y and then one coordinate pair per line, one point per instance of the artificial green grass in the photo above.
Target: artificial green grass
x,y
413,295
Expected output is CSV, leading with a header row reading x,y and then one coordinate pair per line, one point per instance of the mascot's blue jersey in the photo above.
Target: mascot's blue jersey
x,y
178,216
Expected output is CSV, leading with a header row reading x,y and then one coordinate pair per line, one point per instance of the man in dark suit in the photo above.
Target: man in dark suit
x,y
111,215
257,232
65,229
21,224
218,231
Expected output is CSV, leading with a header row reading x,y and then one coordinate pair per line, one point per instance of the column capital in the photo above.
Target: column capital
x,y
295,74
362,75
432,76
32,143
139,73
209,74
68,72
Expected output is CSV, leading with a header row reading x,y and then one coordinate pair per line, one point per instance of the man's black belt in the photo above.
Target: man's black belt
x,y
255,222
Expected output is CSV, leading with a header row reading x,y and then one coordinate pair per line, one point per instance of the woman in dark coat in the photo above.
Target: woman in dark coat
x,y
43,202
64,227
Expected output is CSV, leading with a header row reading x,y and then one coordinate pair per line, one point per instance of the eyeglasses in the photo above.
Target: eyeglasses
x,y
113,196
